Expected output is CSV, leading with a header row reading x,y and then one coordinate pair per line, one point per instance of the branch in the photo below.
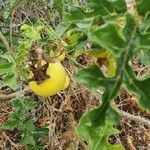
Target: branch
x,y
5,43
135,118
15,94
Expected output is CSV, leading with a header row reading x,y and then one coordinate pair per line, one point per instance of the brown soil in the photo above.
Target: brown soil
x,y
62,112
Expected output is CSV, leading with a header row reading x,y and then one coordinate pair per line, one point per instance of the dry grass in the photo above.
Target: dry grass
x,y
62,112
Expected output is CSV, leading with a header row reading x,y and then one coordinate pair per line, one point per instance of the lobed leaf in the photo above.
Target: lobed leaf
x,y
92,76
139,87
97,138
143,6
107,37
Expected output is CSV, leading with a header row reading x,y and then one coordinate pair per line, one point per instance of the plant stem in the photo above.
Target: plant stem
x,y
15,94
9,49
135,118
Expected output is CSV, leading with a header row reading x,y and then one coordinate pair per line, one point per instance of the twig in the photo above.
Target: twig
x,y
11,142
130,143
15,94
135,118
11,26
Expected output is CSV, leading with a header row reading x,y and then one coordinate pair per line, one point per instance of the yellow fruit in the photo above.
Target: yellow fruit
x,y
52,54
31,75
67,81
43,62
111,68
52,85
59,55
99,54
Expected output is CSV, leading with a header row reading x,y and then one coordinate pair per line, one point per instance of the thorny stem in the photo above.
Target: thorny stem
x,y
15,94
135,118
11,25
121,71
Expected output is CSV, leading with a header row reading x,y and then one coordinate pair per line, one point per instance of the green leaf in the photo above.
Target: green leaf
x,y
40,132
143,6
59,6
111,90
6,68
144,26
20,113
97,138
21,119
113,115
139,87
31,32
8,57
85,24
36,147
6,13
129,27
10,124
91,76
28,127
145,41
75,15
23,104
61,28
107,37
144,56
28,139
10,79
22,50
94,78
100,7
119,5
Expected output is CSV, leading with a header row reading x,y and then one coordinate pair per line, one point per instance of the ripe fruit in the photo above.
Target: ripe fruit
x,y
67,81
59,55
52,85
106,55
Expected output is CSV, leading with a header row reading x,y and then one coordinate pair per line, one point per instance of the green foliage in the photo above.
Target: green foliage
x,y
14,67
107,37
91,76
21,118
144,57
106,24
97,138
143,6
138,86
30,35
124,40
8,70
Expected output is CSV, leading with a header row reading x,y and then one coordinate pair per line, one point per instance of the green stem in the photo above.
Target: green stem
x,y
96,122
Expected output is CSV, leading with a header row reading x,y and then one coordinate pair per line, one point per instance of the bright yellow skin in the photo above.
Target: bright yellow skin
x,y
58,55
111,70
67,82
54,84
61,57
